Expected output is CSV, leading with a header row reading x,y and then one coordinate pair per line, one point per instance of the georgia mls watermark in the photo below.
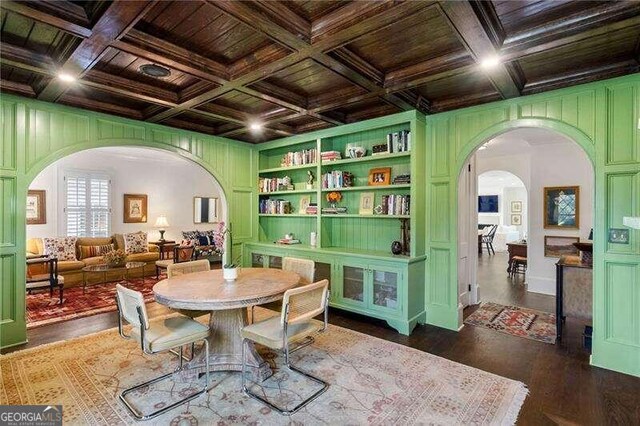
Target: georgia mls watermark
x,y
30,415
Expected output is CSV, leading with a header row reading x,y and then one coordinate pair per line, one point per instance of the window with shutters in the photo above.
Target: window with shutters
x,y
87,206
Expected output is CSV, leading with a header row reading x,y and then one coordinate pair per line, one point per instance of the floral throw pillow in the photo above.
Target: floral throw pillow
x,y
136,243
64,248
192,236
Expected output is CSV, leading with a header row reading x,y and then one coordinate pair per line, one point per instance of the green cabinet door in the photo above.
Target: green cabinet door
x,y
353,282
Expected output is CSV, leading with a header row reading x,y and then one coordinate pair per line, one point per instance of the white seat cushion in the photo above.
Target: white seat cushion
x,y
164,263
269,331
171,333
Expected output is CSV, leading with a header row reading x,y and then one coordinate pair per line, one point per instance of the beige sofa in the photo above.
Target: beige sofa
x,y
71,270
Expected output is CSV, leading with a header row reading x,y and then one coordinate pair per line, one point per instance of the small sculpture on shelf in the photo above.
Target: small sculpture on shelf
x,y
333,198
310,178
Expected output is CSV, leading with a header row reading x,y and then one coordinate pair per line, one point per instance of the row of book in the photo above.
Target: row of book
x,y
396,205
337,179
275,184
334,210
399,141
299,158
330,156
271,206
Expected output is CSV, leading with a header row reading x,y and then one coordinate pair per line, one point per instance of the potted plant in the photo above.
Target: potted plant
x,y
225,245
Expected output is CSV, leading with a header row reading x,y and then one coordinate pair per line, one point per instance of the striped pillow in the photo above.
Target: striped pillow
x,y
93,251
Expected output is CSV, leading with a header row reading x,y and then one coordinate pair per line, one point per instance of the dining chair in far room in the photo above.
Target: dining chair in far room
x,y
180,254
488,239
295,323
42,273
182,268
304,267
158,336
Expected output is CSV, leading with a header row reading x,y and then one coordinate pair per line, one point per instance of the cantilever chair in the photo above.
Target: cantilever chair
x,y
182,268
303,267
158,336
295,323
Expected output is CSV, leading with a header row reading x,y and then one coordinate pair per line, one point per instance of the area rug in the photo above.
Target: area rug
x,y
521,322
372,381
43,309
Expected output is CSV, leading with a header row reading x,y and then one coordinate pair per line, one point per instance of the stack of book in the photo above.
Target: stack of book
x,y
312,208
331,156
334,210
270,206
399,141
400,179
275,184
396,205
299,158
337,179
286,241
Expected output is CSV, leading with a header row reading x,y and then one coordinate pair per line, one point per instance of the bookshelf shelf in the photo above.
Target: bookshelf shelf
x,y
287,215
293,192
366,216
288,168
370,188
368,159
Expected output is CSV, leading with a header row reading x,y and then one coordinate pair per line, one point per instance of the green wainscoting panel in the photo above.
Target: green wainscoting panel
x,y
603,119
34,134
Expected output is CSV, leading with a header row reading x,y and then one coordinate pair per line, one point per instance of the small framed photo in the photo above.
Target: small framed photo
x,y
516,207
560,246
36,207
516,219
135,208
562,207
380,176
366,203
305,200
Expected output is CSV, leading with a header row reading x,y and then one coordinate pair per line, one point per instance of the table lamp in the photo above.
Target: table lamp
x,y
161,222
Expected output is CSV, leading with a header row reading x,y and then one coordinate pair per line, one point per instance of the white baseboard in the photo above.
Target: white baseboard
x,y
541,285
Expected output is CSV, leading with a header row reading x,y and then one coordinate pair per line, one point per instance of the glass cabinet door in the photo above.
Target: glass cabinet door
x,y
385,289
353,283
257,260
323,272
275,262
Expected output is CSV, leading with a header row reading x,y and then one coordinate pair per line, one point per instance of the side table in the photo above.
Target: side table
x,y
165,247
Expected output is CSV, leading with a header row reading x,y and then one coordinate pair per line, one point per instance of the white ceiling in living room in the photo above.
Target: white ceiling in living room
x,y
499,179
520,141
142,154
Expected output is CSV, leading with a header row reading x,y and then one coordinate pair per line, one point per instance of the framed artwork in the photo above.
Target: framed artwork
x,y
304,203
562,207
560,246
516,207
516,219
380,176
36,207
205,210
366,203
135,208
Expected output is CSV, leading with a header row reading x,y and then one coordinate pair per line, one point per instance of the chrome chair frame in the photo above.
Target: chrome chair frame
x,y
137,414
287,351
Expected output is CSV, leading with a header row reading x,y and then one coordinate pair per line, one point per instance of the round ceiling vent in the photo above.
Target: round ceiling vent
x,y
153,70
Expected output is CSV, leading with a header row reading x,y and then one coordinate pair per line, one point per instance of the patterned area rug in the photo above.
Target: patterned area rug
x,y
521,322
372,381
43,310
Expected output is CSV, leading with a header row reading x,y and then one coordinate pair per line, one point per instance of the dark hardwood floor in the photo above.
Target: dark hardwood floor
x,y
563,388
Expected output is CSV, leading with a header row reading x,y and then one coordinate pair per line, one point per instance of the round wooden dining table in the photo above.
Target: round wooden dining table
x,y
228,302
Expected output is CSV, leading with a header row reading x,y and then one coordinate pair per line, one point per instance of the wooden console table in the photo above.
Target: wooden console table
x,y
574,291
516,249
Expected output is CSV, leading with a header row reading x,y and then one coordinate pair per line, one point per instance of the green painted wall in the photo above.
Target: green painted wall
x,y
35,134
603,118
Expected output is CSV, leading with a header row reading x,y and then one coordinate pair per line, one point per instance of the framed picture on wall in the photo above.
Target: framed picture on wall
x,y
366,203
36,207
305,200
205,210
516,207
562,207
135,208
560,246
516,219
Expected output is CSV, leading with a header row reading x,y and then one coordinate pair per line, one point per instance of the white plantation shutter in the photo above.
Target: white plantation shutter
x,y
88,204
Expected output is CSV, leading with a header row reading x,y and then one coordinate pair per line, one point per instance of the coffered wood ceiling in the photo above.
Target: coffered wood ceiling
x,y
297,66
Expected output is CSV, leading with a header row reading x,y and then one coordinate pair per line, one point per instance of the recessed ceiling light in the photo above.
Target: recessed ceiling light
x,y
490,62
67,78
155,71
255,126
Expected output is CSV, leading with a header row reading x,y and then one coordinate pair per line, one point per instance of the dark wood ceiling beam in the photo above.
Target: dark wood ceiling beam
x,y
255,60
236,117
461,102
119,18
190,125
430,70
352,60
129,88
65,25
478,41
18,88
193,90
92,104
281,14
276,95
27,58
309,127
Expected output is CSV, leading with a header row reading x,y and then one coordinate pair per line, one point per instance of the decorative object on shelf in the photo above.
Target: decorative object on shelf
x,y
312,208
562,207
334,197
556,246
355,151
380,176
405,228
380,149
399,141
402,179
36,207
205,210
396,247
366,203
516,207
305,200
516,219
162,223
337,179
115,258
619,236
224,246
135,208
288,240
313,239
299,158
310,178
378,209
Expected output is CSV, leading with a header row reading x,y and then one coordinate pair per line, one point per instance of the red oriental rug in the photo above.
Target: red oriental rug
x,y
521,322
99,298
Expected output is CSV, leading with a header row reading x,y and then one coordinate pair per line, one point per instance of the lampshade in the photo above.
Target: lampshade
x,y
161,221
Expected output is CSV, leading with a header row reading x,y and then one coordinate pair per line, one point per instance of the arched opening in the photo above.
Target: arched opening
x,y
99,196
525,227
